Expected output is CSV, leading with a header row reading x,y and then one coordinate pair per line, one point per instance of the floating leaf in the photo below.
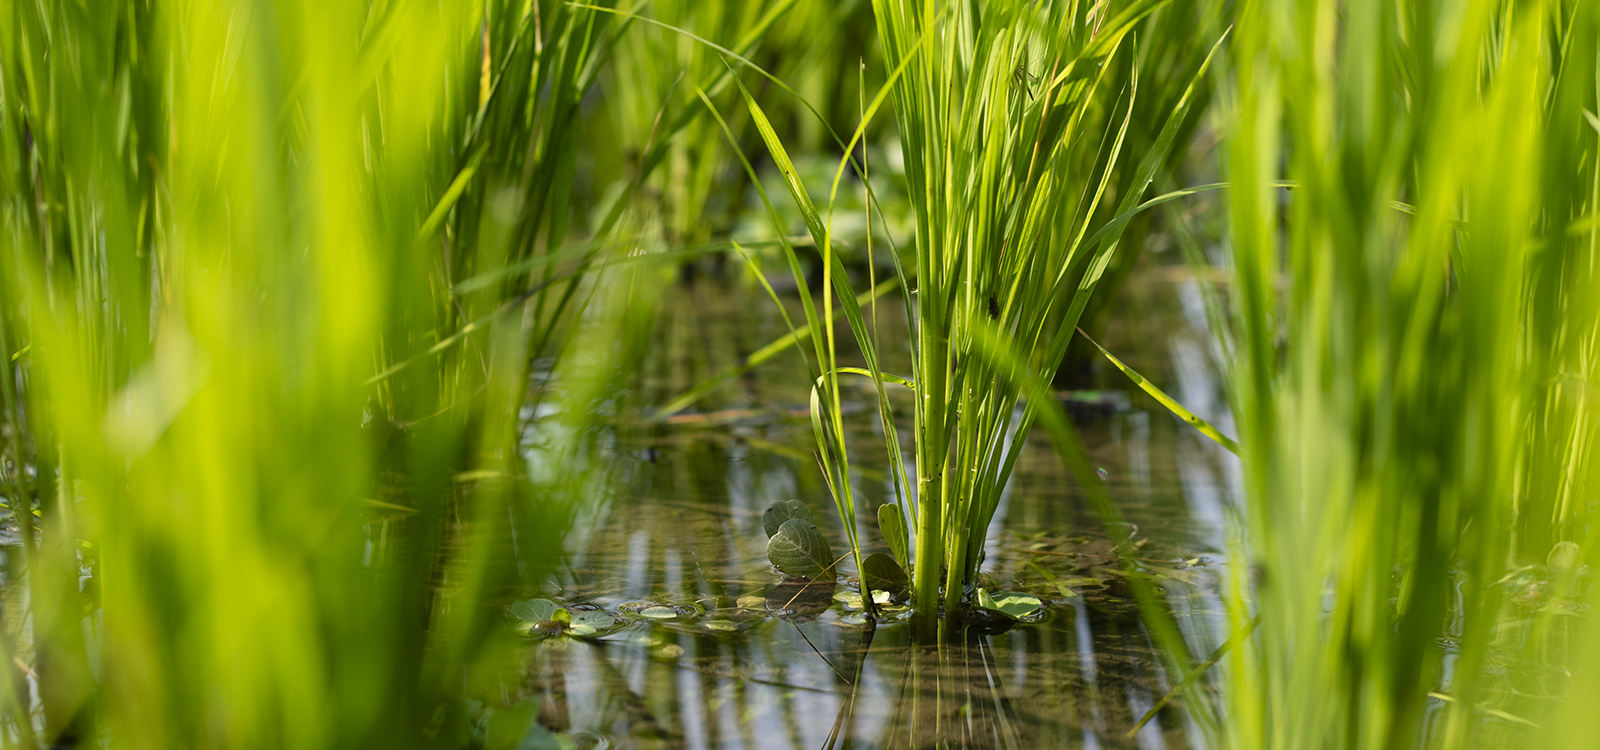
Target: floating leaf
x,y
784,510
590,622
534,610
752,601
798,549
725,626
1012,604
892,524
659,613
848,599
881,573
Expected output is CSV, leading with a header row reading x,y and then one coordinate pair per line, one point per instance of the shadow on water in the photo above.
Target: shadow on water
x,y
715,650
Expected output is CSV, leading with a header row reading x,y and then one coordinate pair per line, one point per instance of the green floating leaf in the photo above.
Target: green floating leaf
x,y
798,549
726,626
881,573
534,610
589,622
1012,604
784,510
892,524
659,613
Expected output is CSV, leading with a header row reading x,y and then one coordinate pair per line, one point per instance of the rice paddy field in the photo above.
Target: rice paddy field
x,y
578,374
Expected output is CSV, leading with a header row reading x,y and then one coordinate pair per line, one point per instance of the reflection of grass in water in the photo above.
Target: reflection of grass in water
x,y
967,693
693,512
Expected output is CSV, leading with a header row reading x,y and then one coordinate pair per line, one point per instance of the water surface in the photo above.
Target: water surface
x,y
682,530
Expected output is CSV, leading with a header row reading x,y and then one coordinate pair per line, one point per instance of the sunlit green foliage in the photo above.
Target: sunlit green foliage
x,y
254,406
312,314
1012,182
1414,321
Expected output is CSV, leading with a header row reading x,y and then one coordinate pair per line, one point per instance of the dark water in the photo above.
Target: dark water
x,y
683,531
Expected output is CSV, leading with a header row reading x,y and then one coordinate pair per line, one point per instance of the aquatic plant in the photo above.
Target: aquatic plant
x,y
266,352
1413,320
1010,180
1035,188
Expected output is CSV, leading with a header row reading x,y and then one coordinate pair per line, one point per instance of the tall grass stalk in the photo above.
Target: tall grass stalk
x,y
1011,173
272,443
1415,329
1008,177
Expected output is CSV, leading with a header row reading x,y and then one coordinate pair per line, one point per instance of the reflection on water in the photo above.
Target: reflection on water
x,y
683,529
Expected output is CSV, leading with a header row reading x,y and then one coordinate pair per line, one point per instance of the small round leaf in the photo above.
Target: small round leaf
x,y
534,610
799,549
1012,604
881,573
784,510
893,527
588,622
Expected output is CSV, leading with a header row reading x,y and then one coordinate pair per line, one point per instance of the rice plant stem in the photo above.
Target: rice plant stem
x,y
931,376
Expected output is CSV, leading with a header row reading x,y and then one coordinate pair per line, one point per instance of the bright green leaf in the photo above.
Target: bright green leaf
x,y
1012,604
534,610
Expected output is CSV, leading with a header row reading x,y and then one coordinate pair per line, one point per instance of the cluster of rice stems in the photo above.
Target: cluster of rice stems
x,y
1414,329
273,276
1012,119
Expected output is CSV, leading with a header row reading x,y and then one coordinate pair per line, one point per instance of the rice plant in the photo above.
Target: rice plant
x,y
1414,324
1012,139
314,318
1012,124
274,278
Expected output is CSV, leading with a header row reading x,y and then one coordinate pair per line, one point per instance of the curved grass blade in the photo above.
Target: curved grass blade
x,y
1172,405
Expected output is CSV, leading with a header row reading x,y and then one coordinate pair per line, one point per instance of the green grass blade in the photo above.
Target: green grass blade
x,y
1172,405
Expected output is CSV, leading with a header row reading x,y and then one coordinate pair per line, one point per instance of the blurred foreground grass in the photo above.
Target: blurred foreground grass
x,y
272,436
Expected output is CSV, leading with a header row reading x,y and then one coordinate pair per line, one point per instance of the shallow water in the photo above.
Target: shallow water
x,y
683,530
